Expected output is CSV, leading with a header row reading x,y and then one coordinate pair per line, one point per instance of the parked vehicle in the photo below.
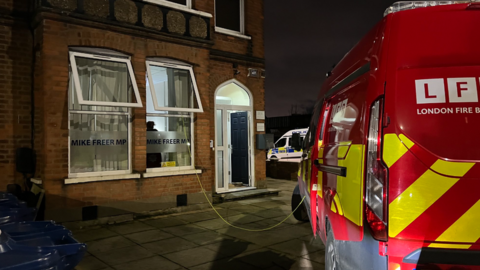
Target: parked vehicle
x,y
282,149
391,172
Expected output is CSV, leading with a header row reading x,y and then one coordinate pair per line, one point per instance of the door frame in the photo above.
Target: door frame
x,y
226,151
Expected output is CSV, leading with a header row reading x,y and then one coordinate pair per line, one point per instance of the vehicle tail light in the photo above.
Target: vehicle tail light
x,y
376,175
405,5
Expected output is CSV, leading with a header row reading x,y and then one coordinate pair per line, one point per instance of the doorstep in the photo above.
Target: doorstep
x,y
247,194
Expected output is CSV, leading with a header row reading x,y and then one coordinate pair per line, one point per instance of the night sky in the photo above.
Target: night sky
x,y
304,39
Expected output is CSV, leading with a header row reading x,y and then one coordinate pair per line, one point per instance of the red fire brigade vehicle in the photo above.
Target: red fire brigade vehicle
x,y
391,163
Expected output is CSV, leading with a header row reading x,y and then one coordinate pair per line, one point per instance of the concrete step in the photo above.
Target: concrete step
x,y
247,194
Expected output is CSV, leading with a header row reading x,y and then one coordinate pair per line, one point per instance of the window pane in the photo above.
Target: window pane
x,y
168,141
219,128
172,88
232,94
227,14
104,81
182,2
98,143
281,142
75,105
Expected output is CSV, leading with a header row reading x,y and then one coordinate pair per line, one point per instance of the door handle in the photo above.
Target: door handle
x,y
304,155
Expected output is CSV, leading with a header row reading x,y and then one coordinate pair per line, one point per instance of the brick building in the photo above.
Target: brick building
x,y
113,94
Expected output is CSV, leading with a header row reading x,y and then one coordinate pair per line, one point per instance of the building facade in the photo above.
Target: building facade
x,y
128,105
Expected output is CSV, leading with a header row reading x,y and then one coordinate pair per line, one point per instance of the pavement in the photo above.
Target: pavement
x,y
200,240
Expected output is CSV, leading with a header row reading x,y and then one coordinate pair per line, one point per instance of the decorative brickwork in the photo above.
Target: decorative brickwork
x,y
99,8
198,27
175,22
126,11
152,17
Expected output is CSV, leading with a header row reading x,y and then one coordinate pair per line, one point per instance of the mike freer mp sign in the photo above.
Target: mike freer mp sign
x,y
166,142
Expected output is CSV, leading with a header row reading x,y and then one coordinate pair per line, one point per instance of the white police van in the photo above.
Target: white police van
x,y
282,150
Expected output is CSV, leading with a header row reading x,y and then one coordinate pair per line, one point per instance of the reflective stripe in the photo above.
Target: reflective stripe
x,y
458,169
394,149
417,198
342,151
350,188
333,208
337,203
435,245
406,141
309,175
466,229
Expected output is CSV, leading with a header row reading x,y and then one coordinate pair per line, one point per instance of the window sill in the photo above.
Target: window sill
x,y
88,179
170,173
179,7
231,33
37,181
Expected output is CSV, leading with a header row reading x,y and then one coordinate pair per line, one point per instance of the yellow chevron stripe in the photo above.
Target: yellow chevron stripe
x,y
435,245
342,151
333,208
350,188
458,169
466,229
417,198
394,149
337,203
406,141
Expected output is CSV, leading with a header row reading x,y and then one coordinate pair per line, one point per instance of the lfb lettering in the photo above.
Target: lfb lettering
x,y
459,90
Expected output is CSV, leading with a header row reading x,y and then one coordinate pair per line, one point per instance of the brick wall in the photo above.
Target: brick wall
x,y
253,27
57,37
15,89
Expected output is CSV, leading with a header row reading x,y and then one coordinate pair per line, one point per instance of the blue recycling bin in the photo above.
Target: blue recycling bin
x,y
56,240
18,214
9,200
12,259
18,230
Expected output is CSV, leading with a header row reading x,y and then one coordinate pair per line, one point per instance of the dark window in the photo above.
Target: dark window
x,y
181,2
227,14
281,143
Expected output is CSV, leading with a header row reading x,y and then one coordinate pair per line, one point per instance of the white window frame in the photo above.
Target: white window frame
x,y
185,8
175,66
171,4
242,22
78,90
192,149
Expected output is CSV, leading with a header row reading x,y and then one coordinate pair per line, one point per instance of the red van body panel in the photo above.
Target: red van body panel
x,y
424,66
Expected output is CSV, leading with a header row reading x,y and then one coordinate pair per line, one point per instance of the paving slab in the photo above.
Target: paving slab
x,y
297,247
165,222
232,247
195,256
152,263
107,244
205,238
148,236
213,224
195,217
265,258
225,264
132,227
169,245
124,255
93,234
91,263
184,230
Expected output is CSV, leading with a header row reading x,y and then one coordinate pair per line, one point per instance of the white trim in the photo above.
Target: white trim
x,y
176,6
170,173
153,93
242,21
225,108
236,190
231,33
80,180
78,89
